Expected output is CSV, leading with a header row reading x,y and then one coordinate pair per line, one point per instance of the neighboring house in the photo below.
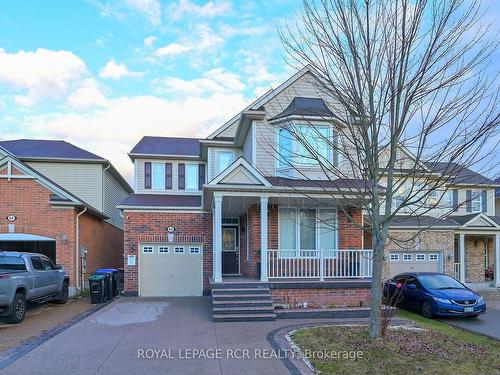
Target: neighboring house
x,y
60,200
227,210
459,236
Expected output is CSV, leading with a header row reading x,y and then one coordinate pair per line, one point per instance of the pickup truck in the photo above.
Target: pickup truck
x,y
29,277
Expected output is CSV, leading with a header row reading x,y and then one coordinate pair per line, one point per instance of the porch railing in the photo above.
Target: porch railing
x,y
319,264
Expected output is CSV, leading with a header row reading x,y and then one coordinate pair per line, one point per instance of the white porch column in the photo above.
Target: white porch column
x,y
263,238
217,242
461,250
497,260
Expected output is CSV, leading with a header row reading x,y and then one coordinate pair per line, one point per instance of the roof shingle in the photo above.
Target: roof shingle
x,y
306,107
49,149
167,146
159,200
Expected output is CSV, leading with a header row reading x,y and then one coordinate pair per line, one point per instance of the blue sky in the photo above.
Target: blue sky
x,y
102,74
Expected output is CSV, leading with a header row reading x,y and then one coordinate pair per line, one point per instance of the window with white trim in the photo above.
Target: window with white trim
x,y
476,202
223,159
194,250
179,250
448,199
407,257
147,249
420,257
163,250
394,257
191,176
305,145
158,176
433,257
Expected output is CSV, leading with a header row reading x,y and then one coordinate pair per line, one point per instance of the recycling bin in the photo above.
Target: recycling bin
x,y
97,283
111,290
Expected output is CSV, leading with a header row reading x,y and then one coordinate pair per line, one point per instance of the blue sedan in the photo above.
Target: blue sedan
x,y
433,294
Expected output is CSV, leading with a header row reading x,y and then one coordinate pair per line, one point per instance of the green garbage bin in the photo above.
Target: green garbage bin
x,y
97,283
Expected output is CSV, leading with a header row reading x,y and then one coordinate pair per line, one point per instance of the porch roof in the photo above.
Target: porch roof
x,y
161,201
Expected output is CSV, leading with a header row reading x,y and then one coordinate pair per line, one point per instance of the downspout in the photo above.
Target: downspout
x,y
77,249
103,187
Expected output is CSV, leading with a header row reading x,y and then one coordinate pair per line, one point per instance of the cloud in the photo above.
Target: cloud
x,y
213,81
87,95
149,41
40,74
201,39
188,8
151,9
172,49
115,71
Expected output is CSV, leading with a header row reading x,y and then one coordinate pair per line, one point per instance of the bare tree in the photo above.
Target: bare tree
x,y
414,100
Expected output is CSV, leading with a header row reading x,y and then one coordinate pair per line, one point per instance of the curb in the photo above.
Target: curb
x,y
13,354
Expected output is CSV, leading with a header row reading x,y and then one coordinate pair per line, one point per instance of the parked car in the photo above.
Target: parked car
x,y
29,277
433,294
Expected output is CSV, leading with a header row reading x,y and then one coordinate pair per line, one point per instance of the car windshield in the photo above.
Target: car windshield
x,y
439,282
12,263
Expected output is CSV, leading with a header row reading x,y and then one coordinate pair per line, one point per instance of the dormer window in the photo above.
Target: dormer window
x,y
224,158
305,145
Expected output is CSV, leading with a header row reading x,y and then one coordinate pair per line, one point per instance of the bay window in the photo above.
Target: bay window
x,y
191,171
305,145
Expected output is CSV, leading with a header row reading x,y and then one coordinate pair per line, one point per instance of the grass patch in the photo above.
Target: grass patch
x,y
437,349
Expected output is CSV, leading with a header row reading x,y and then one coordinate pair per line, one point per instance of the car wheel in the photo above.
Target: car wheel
x,y
18,309
427,309
62,297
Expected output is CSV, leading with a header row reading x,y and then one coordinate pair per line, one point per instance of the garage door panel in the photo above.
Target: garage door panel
x,y
400,265
174,275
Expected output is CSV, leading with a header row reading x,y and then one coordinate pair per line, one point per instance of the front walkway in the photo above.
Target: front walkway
x,y
109,342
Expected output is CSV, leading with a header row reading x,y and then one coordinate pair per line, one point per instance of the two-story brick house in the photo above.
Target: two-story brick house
x,y
60,200
226,210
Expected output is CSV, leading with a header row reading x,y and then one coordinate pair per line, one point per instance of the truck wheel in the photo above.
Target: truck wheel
x,y
18,309
62,296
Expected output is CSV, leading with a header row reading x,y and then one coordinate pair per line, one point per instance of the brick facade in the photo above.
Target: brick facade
x,y
322,297
29,202
151,227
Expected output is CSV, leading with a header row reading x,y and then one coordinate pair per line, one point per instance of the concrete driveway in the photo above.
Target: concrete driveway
x,y
114,340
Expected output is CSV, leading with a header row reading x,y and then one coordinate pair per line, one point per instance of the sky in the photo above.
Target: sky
x,y
102,74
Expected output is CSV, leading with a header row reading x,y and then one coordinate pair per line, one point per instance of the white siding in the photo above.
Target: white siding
x,y
114,194
212,160
230,131
139,176
82,179
248,146
490,200
497,210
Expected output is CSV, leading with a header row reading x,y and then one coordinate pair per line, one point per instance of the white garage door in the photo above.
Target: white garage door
x,y
170,270
405,261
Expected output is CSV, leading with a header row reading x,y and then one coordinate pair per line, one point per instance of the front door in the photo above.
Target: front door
x,y
230,251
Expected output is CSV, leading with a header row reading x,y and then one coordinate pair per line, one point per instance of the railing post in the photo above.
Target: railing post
x,y
263,238
321,266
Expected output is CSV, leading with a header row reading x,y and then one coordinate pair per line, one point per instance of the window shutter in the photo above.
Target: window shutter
x,y
168,175
484,201
468,200
201,175
455,200
181,176
147,175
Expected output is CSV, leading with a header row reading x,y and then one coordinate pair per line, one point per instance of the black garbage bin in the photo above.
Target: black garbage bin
x,y
97,283
120,280
113,280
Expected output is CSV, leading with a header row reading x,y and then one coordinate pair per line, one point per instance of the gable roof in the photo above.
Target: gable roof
x,y
305,107
47,149
252,175
460,174
158,201
259,102
167,146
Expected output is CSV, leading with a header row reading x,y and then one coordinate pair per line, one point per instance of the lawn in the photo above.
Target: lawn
x,y
434,349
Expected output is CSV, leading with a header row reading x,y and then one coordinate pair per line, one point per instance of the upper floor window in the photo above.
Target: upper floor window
x,y
305,145
223,160
158,177
476,201
191,171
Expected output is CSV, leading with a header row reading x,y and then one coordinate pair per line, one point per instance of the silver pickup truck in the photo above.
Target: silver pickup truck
x,y
29,277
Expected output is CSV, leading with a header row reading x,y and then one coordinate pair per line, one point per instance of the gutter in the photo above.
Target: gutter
x,y
77,249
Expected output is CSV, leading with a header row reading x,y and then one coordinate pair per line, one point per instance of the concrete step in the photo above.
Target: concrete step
x,y
240,291
244,318
236,284
243,310
243,303
237,296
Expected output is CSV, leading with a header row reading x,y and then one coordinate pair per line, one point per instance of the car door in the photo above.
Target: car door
x,y
411,293
41,282
52,275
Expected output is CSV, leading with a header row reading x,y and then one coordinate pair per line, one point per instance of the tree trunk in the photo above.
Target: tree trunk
x,y
376,289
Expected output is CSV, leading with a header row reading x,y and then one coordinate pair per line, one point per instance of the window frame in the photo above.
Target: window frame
x,y
420,260
144,247
194,250
195,167
432,255
393,257
153,165
476,195
410,257
218,170
183,248
162,247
